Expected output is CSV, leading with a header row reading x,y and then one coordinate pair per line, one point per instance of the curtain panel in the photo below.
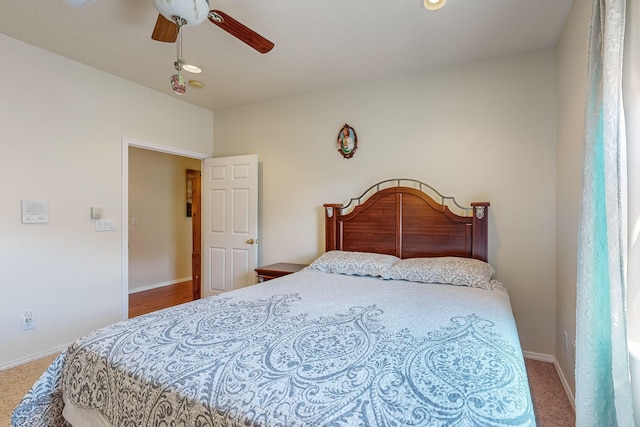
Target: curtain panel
x,y
603,386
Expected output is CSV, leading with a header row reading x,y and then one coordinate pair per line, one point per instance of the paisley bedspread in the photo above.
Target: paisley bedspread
x,y
308,349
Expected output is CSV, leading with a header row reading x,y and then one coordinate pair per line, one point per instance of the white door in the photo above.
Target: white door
x,y
229,223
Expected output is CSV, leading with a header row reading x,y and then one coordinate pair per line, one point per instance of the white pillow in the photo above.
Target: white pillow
x,y
447,270
353,263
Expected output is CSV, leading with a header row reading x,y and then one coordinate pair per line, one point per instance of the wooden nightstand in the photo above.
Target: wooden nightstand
x,y
280,269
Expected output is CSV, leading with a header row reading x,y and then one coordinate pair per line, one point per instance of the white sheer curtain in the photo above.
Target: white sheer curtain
x,y
631,94
603,385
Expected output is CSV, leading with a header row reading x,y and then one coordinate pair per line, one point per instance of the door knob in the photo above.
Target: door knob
x,y
251,241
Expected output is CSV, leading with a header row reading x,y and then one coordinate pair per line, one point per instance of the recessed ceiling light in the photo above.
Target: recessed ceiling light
x,y
433,4
197,84
191,68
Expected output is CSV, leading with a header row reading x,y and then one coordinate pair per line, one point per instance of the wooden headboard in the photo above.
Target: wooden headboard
x,y
398,217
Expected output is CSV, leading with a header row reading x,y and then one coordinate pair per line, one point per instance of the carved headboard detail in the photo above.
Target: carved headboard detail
x,y
398,217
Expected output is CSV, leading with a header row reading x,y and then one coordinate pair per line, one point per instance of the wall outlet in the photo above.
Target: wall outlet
x,y
27,320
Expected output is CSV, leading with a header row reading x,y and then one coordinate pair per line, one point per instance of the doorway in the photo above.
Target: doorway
x,y
129,219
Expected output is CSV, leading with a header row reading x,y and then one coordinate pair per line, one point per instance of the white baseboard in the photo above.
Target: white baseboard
x,y
30,358
158,285
539,356
563,380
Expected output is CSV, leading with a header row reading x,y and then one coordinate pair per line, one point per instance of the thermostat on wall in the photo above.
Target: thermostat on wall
x,y
96,212
35,211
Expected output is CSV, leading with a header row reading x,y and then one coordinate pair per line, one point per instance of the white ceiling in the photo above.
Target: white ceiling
x,y
318,43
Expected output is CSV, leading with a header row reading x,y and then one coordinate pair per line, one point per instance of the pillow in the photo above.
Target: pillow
x,y
447,270
353,263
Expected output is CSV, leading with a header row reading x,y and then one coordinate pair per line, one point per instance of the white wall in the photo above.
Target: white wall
x,y
572,74
62,129
481,132
160,241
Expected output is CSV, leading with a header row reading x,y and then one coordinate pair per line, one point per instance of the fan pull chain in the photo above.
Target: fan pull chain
x,y
177,82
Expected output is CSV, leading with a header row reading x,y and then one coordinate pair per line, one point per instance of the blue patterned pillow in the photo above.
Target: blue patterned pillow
x,y
353,263
447,270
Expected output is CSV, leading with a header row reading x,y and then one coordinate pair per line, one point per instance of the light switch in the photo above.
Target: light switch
x,y
105,225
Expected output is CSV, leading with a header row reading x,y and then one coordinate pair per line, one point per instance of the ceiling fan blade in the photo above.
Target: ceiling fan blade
x,y
165,30
240,31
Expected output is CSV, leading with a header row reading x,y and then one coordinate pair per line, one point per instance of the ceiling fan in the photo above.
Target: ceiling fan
x,y
176,13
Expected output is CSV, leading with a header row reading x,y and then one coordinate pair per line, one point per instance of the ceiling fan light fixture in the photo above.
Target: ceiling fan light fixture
x,y
78,4
433,4
193,12
192,68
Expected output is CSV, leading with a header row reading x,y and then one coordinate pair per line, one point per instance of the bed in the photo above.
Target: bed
x,y
398,323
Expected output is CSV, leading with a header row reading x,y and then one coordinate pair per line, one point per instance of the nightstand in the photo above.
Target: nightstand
x,y
280,269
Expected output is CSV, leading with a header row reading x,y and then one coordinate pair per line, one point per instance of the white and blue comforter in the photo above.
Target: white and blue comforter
x,y
308,349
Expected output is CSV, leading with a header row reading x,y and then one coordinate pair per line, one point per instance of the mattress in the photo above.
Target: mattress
x,y
311,348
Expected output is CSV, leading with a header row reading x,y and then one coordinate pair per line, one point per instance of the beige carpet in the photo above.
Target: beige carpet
x,y
14,383
550,401
551,404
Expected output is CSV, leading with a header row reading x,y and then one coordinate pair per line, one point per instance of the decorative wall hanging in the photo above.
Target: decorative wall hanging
x,y
347,141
